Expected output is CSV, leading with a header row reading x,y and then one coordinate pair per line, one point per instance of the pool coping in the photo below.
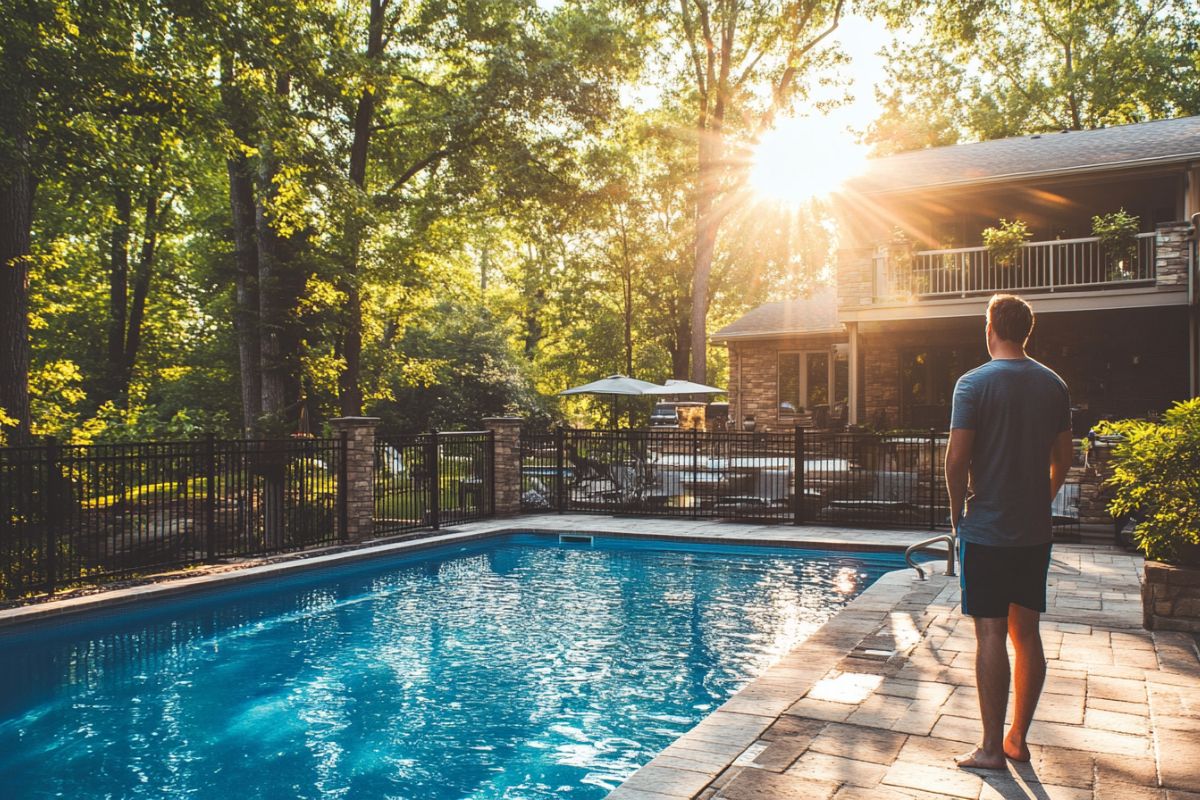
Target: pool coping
x,y
692,761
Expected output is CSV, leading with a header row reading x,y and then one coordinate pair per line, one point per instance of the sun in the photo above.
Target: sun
x,y
801,159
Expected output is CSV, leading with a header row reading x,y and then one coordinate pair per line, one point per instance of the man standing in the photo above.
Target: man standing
x,y
1010,434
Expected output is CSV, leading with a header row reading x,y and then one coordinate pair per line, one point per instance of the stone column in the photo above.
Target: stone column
x,y
360,475
1171,253
507,463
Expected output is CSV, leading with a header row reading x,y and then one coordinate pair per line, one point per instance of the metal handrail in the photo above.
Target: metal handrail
x,y
951,544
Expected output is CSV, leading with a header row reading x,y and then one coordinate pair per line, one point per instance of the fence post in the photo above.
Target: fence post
x,y
798,493
933,487
560,478
53,512
695,472
344,486
210,500
491,470
435,480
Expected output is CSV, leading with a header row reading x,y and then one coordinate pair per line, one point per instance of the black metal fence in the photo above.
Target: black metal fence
x,y
843,478
73,513
432,479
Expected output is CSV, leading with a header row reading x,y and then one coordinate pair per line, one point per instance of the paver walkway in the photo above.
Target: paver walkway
x,y
877,704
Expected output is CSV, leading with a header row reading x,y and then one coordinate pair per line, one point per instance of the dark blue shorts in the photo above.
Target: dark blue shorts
x,y
992,578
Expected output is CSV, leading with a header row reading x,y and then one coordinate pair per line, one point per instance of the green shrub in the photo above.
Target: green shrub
x,y
1157,473
1118,239
1004,243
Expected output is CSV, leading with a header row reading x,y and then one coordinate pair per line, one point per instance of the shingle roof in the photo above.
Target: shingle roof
x,y
1162,141
814,314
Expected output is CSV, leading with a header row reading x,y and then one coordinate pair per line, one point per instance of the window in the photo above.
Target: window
x,y
804,380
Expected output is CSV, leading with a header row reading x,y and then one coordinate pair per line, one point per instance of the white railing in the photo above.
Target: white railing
x,y
1041,267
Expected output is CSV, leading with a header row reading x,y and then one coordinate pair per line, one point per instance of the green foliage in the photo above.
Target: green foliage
x,y
986,69
1157,473
451,370
1118,233
1004,243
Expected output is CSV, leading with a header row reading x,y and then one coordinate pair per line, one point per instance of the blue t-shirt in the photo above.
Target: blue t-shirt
x,y
1017,407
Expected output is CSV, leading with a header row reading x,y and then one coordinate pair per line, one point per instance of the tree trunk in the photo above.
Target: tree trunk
x,y
245,313
242,208
17,187
271,309
16,215
349,382
141,290
118,292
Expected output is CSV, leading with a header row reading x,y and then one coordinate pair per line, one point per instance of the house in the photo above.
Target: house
x,y
913,280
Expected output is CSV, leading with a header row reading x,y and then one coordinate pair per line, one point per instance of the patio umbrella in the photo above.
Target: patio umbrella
x,y
614,385
674,387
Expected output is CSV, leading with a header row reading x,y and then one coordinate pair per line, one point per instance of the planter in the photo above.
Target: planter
x,y
1171,597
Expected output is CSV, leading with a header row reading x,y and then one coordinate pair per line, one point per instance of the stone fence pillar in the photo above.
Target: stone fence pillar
x,y
359,489
506,432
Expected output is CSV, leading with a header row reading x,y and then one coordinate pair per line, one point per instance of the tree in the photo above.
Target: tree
x,y
746,60
986,69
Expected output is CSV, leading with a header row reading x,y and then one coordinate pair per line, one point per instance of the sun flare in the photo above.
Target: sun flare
x,y
800,159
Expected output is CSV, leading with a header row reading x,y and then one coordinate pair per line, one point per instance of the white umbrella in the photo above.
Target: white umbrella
x,y
614,384
674,387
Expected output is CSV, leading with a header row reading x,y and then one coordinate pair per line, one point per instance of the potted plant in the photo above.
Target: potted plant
x,y
1004,242
1117,233
1155,469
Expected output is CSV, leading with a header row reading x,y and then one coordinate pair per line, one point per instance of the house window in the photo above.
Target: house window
x,y
804,380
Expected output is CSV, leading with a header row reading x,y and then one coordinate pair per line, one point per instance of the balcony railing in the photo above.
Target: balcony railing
x,y
1063,264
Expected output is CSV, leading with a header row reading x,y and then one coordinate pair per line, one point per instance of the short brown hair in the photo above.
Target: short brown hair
x,y
1011,318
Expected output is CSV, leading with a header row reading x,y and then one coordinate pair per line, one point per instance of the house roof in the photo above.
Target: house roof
x,y
814,314
1144,143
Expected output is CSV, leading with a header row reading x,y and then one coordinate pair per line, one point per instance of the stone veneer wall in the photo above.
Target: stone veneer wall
x,y
360,475
507,463
1171,254
1171,598
855,277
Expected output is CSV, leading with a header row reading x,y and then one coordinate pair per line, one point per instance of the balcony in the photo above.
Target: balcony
x,y
1059,265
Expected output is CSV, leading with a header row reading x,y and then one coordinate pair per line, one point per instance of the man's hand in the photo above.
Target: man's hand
x,y
1062,453
958,467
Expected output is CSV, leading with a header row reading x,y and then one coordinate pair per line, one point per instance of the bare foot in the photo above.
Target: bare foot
x,y
978,759
1016,749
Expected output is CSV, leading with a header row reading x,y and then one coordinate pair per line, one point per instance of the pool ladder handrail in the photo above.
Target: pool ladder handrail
x,y
951,545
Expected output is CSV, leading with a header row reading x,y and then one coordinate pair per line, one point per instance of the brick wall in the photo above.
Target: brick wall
x,y
758,394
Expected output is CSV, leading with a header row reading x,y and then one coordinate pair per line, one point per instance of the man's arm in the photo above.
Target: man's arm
x,y
958,467
1062,453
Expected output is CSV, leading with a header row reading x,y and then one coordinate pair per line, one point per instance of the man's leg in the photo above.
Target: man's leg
x,y
991,678
1029,675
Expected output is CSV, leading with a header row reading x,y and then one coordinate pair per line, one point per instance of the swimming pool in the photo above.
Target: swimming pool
x,y
515,667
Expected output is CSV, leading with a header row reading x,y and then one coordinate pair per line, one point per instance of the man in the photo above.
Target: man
x,y
1010,434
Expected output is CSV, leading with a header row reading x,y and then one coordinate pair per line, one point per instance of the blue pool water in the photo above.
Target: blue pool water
x,y
513,668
